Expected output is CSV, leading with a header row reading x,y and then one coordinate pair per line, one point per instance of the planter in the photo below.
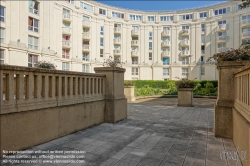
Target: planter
x,y
185,97
129,93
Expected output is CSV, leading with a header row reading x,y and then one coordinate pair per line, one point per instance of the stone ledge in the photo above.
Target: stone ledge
x,y
117,69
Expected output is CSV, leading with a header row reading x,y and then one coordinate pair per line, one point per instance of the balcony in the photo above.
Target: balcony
x,y
246,35
165,33
34,11
85,48
185,53
135,42
117,41
66,17
222,39
117,30
134,62
135,53
165,44
135,32
222,49
185,42
66,44
86,23
66,30
117,51
185,32
245,23
86,35
165,54
222,27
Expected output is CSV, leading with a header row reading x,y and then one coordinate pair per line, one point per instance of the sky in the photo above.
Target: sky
x,y
151,5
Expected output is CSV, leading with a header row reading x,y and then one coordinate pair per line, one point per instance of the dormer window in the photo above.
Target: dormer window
x,y
186,17
102,11
222,11
151,18
203,15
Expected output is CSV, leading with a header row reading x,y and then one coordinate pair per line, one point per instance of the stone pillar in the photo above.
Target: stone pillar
x,y
116,103
223,119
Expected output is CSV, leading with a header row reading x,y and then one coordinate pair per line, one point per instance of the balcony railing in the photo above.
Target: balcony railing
x,y
135,53
66,16
85,23
117,29
222,39
117,51
246,35
134,62
32,28
185,32
246,22
85,47
166,43
222,27
66,30
165,63
165,32
135,32
66,43
222,49
135,42
166,53
185,42
65,55
34,11
86,35
185,53
117,41
202,52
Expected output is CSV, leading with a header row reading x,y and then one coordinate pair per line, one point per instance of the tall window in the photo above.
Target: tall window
x,y
1,56
151,18
102,11
33,24
222,33
85,68
166,28
222,22
166,18
165,71
66,13
150,35
33,59
202,38
245,17
101,52
202,59
65,66
101,30
203,15
150,56
203,28
85,56
184,71
184,61
185,27
134,71
134,60
2,13
85,18
101,41
186,17
33,42
165,61
33,6
221,45
86,6
1,35
202,71
150,47
65,53
136,17
222,11
202,49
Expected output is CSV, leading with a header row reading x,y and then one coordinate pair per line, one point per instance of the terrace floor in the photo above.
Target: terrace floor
x,y
156,133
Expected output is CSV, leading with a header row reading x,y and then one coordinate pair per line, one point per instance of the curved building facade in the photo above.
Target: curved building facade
x,y
78,35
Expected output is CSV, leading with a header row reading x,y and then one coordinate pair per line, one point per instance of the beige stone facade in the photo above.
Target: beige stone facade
x,y
78,35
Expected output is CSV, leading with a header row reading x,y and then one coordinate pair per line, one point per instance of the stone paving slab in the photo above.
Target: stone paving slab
x,y
156,133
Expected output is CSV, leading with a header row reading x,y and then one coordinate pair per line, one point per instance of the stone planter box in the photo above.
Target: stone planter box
x,y
129,93
185,97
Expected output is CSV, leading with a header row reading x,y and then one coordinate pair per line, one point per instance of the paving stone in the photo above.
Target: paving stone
x,y
193,162
149,162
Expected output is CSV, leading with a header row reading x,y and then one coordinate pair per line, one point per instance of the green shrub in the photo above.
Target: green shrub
x,y
209,85
185,84
128,83
45,65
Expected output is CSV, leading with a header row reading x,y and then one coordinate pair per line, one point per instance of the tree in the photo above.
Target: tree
x,y
245,3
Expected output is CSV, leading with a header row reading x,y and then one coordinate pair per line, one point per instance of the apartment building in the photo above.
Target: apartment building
x,y
79,35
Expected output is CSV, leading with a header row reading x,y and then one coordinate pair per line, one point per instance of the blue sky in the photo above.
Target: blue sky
x,y
160,5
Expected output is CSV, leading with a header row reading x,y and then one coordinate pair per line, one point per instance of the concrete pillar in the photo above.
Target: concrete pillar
x,y
116,103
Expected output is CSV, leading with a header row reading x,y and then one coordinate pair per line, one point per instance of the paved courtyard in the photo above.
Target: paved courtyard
x,y
156,133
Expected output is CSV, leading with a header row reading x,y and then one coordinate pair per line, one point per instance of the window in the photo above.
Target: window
x,y
203,28
245,30
33,24
2,14
202,59
185,27
151,18
66,13
202,71
186,17
101,52
85,18
150,56
150,46
102,11
165,61
165,71
246,41
65,66
245,17
166,28
33,59
150,35
1,35
203,15
134,71
202,49
85,56
1,56
86,6
33,6
101,30
135,28
85,68
222,34
222,11
221,45
134,61
186,38
33,42
239,6
101,41
184,72
222,22
70,1
117,15
166,18
202,38
65,53
184,61
135,17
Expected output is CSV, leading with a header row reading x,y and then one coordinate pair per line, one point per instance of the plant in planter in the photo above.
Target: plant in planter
x,y
129,90
45,65
109,62
185,92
